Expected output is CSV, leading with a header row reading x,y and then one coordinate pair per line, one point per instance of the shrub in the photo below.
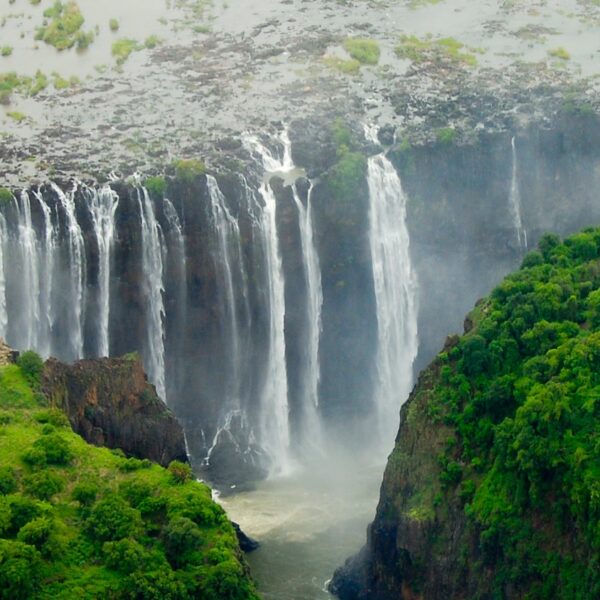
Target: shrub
x,y
125,556
113,519
180,472
5,516
156,186
365,51
8,480
134,464
85,493
6,196
32,366
52,416
34,457
121,49
56,449
37,532
20,570
114,25
181,538
152,585
22,511
188,170
135,491
43,485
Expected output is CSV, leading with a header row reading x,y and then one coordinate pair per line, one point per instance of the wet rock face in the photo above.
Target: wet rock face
x,y
110,403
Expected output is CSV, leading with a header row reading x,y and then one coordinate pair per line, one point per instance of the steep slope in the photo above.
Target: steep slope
x,y
77,521
110,402
493,487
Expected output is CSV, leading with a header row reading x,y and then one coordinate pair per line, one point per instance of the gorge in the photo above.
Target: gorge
x,y
284,209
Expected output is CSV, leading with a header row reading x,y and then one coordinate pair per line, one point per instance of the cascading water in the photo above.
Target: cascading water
x,y
76,280
395,292
311,428
103,204
152,269
514,200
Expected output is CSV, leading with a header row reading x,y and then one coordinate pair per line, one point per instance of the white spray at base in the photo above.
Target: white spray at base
x,y
395,292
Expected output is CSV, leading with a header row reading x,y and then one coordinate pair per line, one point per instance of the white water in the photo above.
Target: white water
x,y
76,282
311,427
274,417
28,290
153,250
514,200
228,241
395,293
103,206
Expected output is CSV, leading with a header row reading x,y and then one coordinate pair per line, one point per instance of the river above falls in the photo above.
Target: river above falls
x,y
307,524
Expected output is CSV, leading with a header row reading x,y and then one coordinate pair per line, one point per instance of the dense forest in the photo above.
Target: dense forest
x,y
493,488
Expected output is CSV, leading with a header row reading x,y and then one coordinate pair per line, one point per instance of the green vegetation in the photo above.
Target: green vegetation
x,y
17,116
156,186
446,135
63,30
5,196
345,177
188,170
521,392
122,48
77,521
429,49
114,25
560,53
349,67
152,41
365,51
6,50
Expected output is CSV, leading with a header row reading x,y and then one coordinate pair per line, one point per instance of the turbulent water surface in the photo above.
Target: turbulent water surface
x,y
307,524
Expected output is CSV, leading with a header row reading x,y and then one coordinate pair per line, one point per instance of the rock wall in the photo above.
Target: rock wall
x,y
110,403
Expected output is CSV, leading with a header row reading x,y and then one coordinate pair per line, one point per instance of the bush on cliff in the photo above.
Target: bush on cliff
x,y
522,391
77,521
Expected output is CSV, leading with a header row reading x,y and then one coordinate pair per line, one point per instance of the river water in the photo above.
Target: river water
x,y
307,523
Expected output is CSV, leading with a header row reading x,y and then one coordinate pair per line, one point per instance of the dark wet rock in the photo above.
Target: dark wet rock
x,y
110,403
247,544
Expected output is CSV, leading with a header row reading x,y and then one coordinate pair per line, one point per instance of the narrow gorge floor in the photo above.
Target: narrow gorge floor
x,y
307,523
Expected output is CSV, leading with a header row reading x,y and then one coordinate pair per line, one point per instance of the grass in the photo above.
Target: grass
x,y
438,50
446,135
122,48
348,67
560,53
6,50
152,41
189,169
365,51
63,30
113,24
17,116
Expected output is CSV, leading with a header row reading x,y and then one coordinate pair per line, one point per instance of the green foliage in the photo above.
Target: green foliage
x,y
156,186
6,196
428,49
446,135
113,25
63,29
20,570
77,521
348,67
365,51
522,392
180,472
6,51
188,170
122,48
32,367
560,53
152,41
8,480
113,519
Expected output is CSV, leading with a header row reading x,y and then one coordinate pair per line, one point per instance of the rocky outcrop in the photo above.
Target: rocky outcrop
x,y
110,403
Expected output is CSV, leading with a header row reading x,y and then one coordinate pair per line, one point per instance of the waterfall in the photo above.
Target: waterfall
x,y
153,288
314,297
395,292
75,296
228,242
27,288
514,200
274,417
102,205
3,314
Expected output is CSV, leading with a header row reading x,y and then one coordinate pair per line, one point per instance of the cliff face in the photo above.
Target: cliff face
x,y
110,403
491,489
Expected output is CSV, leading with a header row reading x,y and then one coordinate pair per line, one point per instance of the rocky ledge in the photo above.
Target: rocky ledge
x,y
110,402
